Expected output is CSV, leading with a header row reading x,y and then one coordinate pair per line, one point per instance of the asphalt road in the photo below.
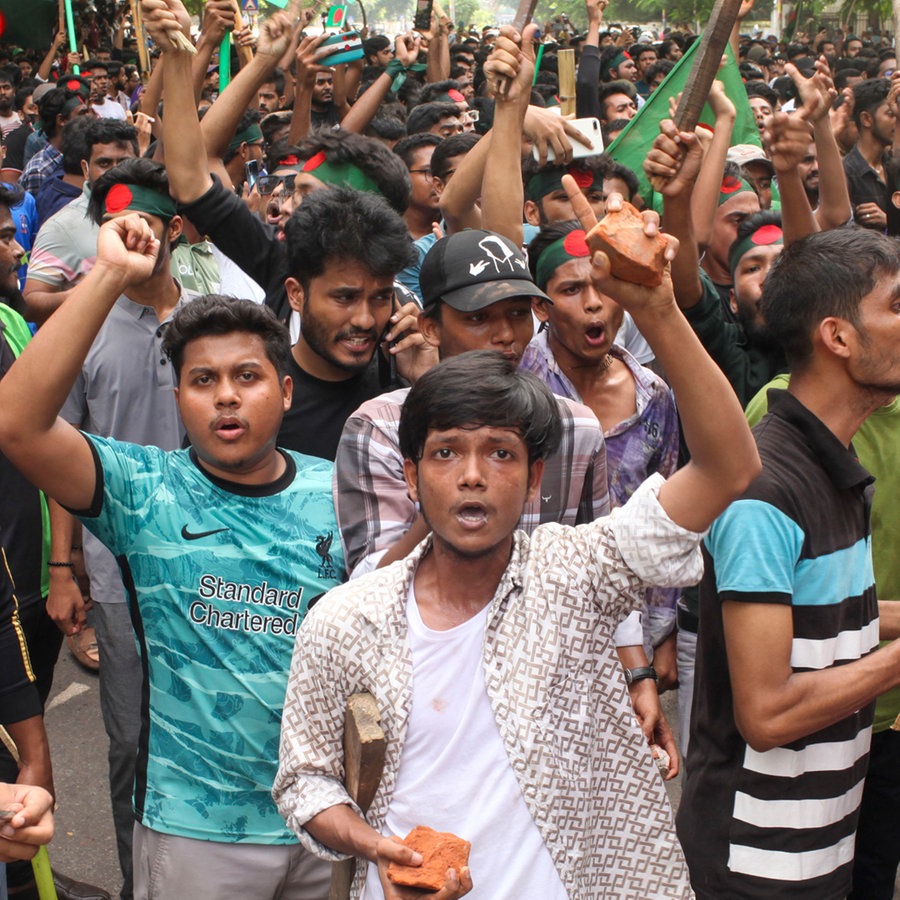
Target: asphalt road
x,y
84,846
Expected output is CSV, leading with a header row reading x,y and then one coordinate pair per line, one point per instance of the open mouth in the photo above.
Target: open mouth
x,y
595,335
229,429
471,516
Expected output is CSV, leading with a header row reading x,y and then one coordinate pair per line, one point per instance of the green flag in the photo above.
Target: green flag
x,y
633,144
281,4
336,16
28,23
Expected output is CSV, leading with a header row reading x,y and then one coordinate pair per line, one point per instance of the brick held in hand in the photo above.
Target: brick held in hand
x,y
440,851
632,255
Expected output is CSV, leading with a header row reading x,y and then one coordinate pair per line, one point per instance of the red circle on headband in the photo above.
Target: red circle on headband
x,y
456,96
730,185
118,198
73,85
583,177
767,234
575,245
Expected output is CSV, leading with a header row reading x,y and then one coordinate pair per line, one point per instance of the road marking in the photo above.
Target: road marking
x,y
70,693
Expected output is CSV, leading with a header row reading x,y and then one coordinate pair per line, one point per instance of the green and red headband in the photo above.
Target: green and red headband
x,y
731,187
343,174
545,182
569,247
764,236
619,58
134,198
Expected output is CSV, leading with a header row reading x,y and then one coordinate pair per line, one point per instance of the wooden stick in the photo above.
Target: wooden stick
x,y
245,54
364,749
524,15
565,61
141,37
706,63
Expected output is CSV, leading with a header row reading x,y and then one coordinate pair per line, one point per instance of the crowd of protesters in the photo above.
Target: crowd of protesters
x,y
313,382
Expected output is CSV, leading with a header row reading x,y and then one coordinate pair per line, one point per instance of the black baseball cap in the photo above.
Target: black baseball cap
x,y
473,269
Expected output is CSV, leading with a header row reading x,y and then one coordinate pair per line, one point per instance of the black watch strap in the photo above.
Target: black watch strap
x,y
632,676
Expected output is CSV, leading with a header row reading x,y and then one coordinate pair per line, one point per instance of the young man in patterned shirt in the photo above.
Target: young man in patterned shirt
x,y
490,652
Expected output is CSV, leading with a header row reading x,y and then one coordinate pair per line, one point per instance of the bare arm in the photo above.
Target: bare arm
x,y
723,454
459,199
502,194
787,138
341,829
148,102
219,123
303,87
672,167
774,705
709,181
49,452
34,752
417,533
44,69
218,19
65,604
888,620
42,300
438,47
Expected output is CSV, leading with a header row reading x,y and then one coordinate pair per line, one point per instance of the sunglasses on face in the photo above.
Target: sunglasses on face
x,y
266,184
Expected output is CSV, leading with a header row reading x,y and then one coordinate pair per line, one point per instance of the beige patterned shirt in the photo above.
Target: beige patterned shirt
x,y
553,680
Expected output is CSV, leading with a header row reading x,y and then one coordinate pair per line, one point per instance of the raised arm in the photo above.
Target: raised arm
x,y
705,195
218,19
672,166
307,68
787,138
51,453
502,195
723,455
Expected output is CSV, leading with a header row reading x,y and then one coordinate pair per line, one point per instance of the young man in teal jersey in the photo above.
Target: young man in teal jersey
x,y
221,547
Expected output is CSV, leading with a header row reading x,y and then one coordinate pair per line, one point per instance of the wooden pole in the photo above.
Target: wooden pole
x,y
706,63
141,38
565,62
245,54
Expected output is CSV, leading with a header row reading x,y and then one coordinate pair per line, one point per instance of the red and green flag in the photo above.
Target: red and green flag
x,y
633,144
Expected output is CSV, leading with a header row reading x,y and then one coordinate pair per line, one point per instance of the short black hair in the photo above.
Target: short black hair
x,y
112,131
74,144
425,115
344,224
761,89
386,128
437,89
406,148
250,117
450,147
215,314
370,155
276,77
617,170
477,389
139,171
848,260
868,95
11,195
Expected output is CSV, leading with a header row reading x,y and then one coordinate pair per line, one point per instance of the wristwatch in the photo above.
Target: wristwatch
x,y
632,676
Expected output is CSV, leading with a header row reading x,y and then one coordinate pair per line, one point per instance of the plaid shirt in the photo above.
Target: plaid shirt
x,y
40,167
638,446
374,510
554,683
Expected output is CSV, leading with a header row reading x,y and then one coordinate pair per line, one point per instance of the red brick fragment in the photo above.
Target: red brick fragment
x,y
440,851
632,255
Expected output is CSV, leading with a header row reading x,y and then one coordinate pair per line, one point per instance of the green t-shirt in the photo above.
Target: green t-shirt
x,y
877,444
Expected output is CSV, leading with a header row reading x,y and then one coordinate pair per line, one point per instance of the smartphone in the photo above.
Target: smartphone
x,y
251,172
422,18
340,48
590,128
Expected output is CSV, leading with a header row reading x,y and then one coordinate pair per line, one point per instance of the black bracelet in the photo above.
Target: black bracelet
x,y
76,547
61,565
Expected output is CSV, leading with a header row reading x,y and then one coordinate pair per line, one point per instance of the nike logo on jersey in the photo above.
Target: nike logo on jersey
x,y
191,536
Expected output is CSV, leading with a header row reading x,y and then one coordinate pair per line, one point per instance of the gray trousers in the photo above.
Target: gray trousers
x,y
167,867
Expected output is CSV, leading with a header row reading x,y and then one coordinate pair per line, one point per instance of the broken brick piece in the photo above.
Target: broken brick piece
x,y
440,851
632,255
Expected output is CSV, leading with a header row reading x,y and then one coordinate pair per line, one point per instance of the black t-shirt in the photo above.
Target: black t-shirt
x,y
319,409
15,147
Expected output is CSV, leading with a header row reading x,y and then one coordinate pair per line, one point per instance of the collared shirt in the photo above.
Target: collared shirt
x,y
782,822
125,390
865,185
41,166
636,447
554,683
373,507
